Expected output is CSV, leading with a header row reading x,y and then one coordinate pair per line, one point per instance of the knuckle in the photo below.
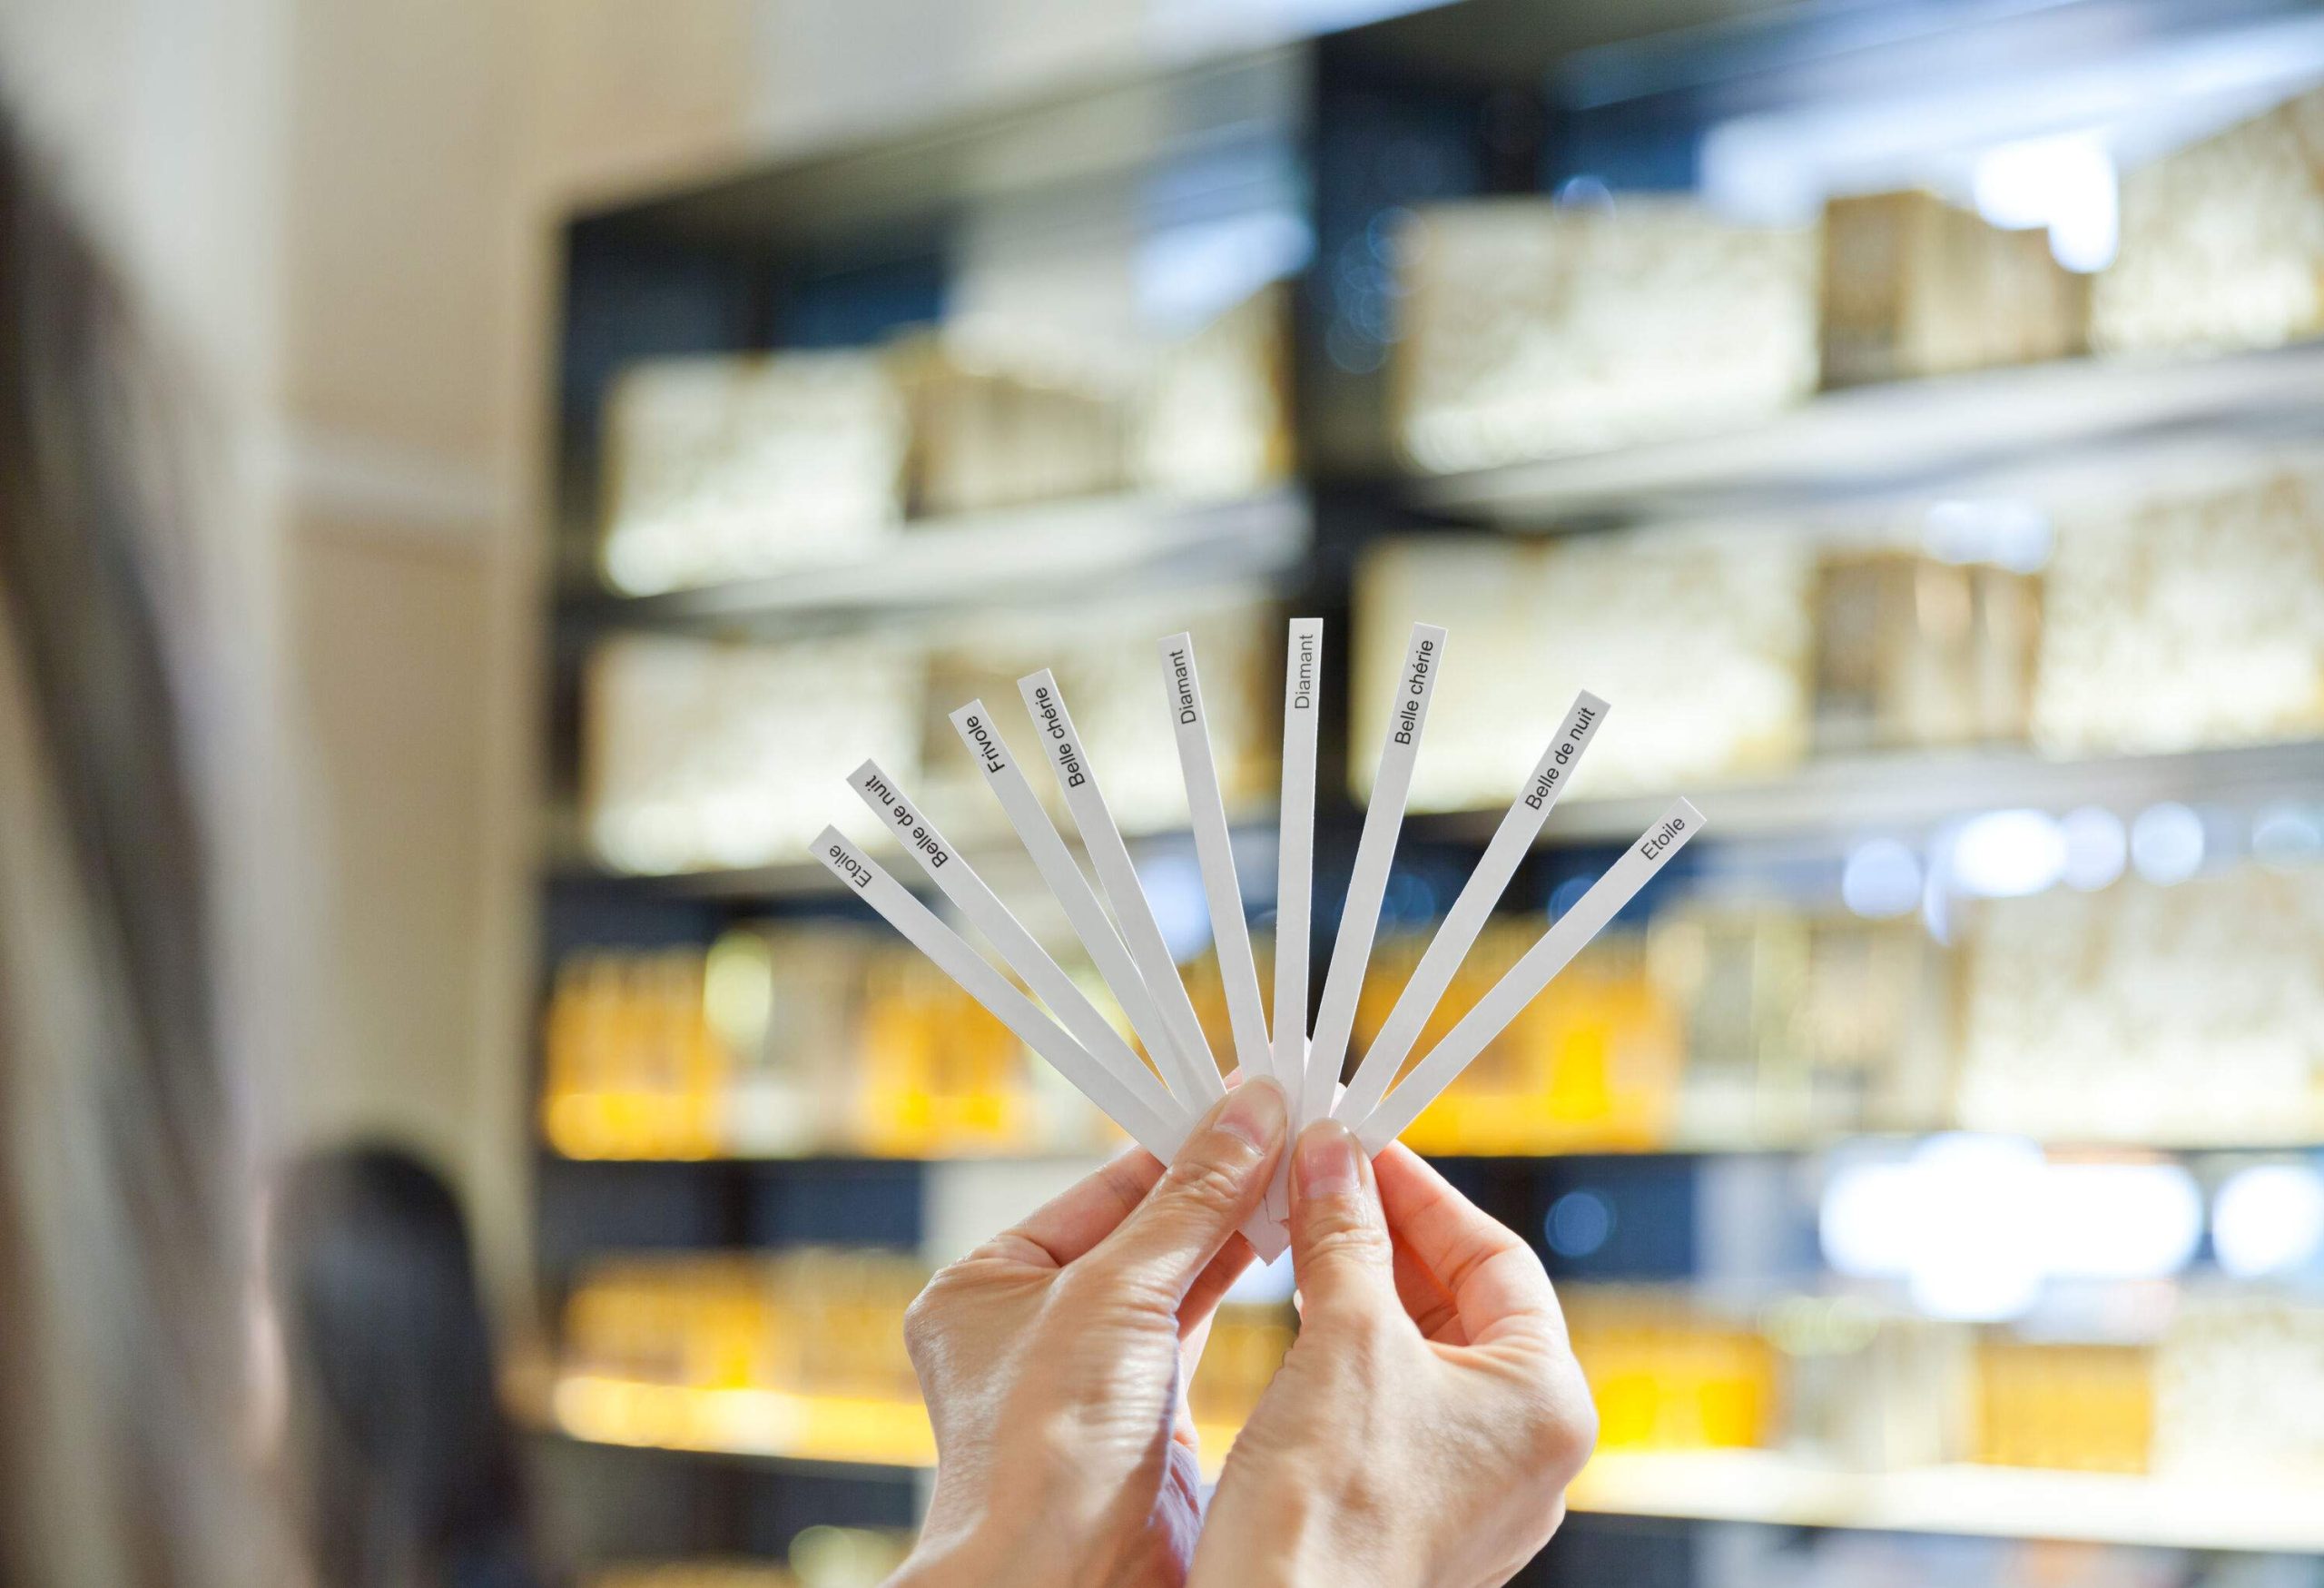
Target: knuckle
x,y
1577,1425
931,1314
1557,1421
1345,1235
1204,1183
1102,1286
924,1321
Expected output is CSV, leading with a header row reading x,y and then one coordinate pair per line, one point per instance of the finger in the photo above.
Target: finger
x,y
1210,1286
1427,1303
1191,1345
1339,1238
1211,1187
1493,1277
1078,1218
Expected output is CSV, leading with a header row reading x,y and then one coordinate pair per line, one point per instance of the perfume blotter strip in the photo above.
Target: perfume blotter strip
x,y
1116,924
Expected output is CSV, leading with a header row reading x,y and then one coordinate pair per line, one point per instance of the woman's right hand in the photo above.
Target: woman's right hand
x,y
1429,1418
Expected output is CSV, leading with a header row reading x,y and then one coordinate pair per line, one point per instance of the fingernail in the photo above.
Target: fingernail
x,y
1326,1164
1254,1111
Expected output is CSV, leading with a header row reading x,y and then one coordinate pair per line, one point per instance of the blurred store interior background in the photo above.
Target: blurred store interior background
x,y
627,419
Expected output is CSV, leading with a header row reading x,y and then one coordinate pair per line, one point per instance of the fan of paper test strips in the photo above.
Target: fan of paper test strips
x,y
1116,923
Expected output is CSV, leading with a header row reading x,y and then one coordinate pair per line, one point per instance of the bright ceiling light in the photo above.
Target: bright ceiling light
x,y
2007,855
2119,1220
2268,1220
1976,1226
2065,183
1881,878
2167,843
2096,845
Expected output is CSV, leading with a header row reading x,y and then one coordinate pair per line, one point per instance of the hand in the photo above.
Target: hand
x,y
1055,1358
1430,1416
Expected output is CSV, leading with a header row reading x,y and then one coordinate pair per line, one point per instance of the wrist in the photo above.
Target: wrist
x,y
981,1558
1294,1533
976,1534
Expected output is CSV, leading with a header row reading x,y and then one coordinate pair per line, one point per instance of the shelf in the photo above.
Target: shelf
x,y
888,184
824,1429
2297,1135
1083,550
1763,1486
1836,796
770,1425
996,853
1900,439
841,1157
1886,793
1721,1485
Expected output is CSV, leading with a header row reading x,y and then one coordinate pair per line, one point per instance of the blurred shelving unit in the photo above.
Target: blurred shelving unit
x,y
995,853
1093,547
1765,1486
1840,796
1831,799
2293,1133
2027,430
1758,1486
817,1431
1306,160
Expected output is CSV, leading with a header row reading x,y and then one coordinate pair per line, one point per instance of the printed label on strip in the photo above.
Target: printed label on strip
x,y
1295,876
1457,933
1375,849
1524,979
1185,1059
1007,779
1215,850
952,954
1018,951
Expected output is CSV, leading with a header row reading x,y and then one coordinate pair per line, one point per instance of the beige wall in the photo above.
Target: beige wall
x,y
414,269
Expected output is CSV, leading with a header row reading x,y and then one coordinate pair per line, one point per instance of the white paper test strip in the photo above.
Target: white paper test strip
x,y
911,827
1230,933
1376,848
1295,876
1134,1100
1523,982
952,955
1006,777
1457,933
1187,1062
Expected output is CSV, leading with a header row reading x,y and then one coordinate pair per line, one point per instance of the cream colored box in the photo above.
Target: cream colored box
x,y
2223,241
708,756
1530,329
1914,286
1701,638
730,469
2189,616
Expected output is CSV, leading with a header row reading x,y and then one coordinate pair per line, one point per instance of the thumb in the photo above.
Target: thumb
x,y
1214,1185
1339,1236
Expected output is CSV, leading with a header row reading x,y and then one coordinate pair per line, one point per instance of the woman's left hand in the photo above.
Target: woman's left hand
x,y
1055,1357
